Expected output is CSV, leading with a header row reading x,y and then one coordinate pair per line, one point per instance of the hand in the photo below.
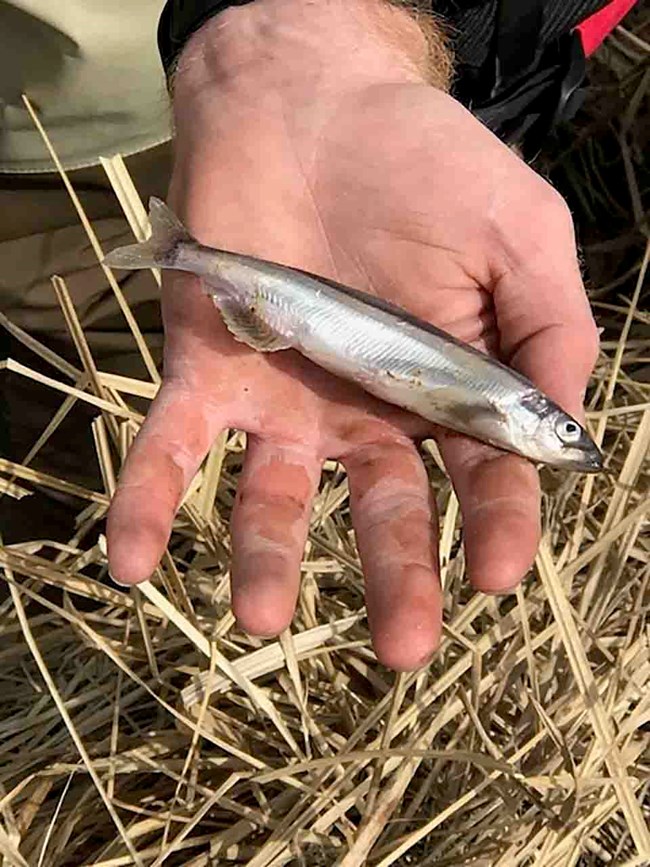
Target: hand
x,y
326,150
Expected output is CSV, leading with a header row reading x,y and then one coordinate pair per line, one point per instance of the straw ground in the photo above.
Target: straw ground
x,y
145,728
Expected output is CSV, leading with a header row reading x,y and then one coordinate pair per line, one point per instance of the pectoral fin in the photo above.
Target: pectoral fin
x,y
246,326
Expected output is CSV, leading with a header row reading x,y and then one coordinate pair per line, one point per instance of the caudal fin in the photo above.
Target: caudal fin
x,y
158,251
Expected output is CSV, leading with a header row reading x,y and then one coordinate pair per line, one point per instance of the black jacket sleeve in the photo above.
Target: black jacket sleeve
x,y
519,63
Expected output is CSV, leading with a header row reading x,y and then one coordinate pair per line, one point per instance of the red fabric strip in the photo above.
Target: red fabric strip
x,y
595,28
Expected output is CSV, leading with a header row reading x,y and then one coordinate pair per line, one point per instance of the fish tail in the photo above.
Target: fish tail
x,y
159,250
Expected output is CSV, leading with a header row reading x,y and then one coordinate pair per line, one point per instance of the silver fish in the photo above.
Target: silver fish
x,y
388,352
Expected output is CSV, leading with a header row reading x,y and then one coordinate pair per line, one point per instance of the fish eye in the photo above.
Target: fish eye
x,y
568,431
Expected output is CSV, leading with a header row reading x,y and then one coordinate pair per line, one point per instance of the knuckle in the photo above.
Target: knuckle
x,y
536,220
266,508
554,206
554,221
381,508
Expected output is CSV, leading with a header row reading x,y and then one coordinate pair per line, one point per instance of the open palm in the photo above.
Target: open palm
x,y
402,193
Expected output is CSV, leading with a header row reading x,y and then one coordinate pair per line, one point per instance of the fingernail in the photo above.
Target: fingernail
x,y
501,591
119,583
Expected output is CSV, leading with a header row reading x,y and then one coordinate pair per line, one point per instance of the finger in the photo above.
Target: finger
x,y
546,326
392,509
269,526
499,498
165,455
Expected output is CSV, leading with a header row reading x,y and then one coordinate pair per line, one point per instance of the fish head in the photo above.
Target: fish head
x,y
552,436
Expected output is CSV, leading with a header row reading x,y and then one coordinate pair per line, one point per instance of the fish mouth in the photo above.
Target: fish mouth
x,y
590,461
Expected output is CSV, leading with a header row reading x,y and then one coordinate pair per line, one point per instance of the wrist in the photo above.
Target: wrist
x,y
297,46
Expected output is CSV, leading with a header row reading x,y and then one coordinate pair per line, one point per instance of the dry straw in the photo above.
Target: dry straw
x,y
145,728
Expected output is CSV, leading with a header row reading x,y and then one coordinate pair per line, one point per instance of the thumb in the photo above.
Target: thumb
x,y
545,323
